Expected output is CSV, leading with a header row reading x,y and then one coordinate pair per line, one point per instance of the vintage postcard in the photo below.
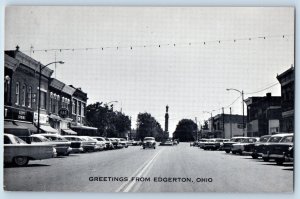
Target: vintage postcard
x,y
149,99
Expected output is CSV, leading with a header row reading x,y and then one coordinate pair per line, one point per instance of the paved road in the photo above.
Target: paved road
x,y
180,166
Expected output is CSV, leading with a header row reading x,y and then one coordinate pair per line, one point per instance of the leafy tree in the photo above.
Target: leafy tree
x,y
186,130
108,122
147,126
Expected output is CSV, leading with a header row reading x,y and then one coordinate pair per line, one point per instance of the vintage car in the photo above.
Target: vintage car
x,y
76,143
116,143
88,144
167,142
227,146
240,147
39,139
63,146
102,141
108,144
279,151
255,150
195,143
222,141
132,143
123,142
212,144
201,142
99,146
19,153
149,142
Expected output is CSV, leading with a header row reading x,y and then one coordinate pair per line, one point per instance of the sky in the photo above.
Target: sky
x,y
191,77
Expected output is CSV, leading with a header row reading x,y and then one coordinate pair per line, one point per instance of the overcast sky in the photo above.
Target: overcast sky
x,y
189,78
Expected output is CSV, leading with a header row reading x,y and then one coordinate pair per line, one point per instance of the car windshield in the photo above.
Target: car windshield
x,y
107,139
19,141
264,139
275,139
149,139
288,139
51,138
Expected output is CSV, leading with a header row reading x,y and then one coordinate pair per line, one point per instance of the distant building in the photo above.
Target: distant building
x,y
287,81
226,126
263,115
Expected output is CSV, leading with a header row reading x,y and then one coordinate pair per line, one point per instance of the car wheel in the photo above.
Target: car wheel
x,y
227,151
21,161
143,147
254,156
241,153
266,159
233,152
279,161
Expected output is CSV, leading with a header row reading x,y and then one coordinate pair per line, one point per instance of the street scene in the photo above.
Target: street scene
x,y
125,99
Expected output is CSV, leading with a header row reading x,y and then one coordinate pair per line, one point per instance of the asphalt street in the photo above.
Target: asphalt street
x,y
178,168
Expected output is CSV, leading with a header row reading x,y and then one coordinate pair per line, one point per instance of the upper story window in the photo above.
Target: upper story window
x,y
17,93
29,96
43,100
73,106
82,109
24,95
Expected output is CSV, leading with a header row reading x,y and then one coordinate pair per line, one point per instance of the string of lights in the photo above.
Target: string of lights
x,y
132,47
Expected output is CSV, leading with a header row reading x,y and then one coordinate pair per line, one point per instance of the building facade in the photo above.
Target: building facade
x,y
21,92
263,115
287,82
225,126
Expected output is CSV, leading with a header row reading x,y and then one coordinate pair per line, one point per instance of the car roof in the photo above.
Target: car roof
x,y
282,134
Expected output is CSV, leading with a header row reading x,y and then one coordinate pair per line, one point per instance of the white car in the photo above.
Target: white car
x,y
62,146
18,152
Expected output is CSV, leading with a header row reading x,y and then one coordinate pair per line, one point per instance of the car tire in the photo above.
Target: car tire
x,y
227,151
233,152
241,153
254,156
265,159
21,161
279,161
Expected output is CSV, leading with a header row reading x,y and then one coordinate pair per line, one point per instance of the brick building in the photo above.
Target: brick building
x,y
21,91
287,82
263,115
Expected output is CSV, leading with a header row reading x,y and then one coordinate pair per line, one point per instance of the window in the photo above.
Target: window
x,y
78,108
73,106
24,95
43,100
17,93
29,97
82,109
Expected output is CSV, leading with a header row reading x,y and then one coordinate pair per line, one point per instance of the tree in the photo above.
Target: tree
x,y
108,122
186,130
147,126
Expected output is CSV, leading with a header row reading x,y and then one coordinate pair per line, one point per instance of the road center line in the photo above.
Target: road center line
x,y
138,173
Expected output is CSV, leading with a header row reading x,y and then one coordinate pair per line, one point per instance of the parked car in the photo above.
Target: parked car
x,y
39,139
102,141
175,142
255,150
227,146
88,144
76,143
212,144
62,145
222,141
116,143
108,144
19,152
99,146
195,143
149,142
132,143
279,150
202,142
167,142
240,147
123,142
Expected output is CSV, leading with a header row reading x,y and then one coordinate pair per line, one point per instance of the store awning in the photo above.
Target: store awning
x,y
69,132
85,130
48,129
84,127
10,125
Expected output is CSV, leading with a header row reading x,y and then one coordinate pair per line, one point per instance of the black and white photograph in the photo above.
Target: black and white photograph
x,y
149,99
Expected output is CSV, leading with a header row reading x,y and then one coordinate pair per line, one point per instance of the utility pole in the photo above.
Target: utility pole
x,y
230,124
243,113
223,122
196,129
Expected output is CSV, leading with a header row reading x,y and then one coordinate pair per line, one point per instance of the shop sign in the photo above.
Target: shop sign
x,y
63,112
18,114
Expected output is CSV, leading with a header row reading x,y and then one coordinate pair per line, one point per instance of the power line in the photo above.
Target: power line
x,y
161,45
263,89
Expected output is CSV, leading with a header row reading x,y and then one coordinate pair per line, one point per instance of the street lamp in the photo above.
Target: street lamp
x,y
40,80
242,94
114,101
